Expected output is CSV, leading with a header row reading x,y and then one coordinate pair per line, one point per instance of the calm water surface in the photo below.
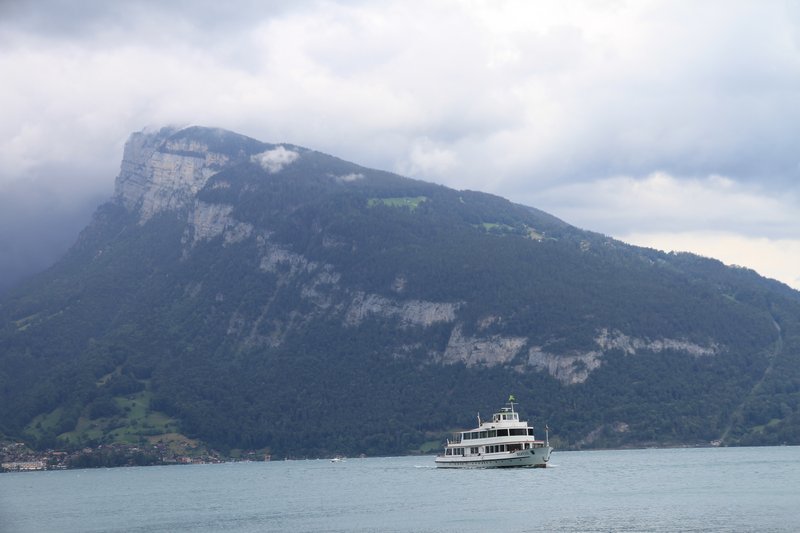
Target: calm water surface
x,y
727,489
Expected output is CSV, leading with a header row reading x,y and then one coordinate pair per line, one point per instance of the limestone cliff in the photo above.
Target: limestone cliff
x,y
160,173
574,367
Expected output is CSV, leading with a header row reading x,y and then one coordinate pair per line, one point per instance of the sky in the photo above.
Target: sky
x,y
668,124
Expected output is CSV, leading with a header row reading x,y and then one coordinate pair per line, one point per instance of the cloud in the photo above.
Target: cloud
x,y
774,258
663,202
273,161
737,223
520,98
428,159
556,92
37,225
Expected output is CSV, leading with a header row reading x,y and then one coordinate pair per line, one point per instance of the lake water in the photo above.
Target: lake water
x,y
725,489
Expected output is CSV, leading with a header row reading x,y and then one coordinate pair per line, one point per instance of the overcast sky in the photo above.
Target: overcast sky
x,y
674,125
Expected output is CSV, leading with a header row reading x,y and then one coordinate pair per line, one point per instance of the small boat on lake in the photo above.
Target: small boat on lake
x,y
504,442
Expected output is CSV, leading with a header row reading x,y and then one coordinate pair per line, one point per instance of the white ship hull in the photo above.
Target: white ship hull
x,y
532,458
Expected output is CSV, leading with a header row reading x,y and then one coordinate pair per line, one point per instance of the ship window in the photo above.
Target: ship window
x,y
467,436
476,435
483,434
530,431
448,452
502,433
473,451
519,431
492,433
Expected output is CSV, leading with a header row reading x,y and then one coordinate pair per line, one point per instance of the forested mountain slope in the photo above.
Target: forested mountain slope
x,y
252,295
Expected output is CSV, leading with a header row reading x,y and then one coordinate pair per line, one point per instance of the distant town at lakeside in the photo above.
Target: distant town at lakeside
x,y
18,457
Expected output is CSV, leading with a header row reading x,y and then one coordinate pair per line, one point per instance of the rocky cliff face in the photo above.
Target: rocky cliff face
x,y
160,173
574,367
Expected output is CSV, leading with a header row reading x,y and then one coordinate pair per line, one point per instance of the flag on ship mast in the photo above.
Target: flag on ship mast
x,y
511,398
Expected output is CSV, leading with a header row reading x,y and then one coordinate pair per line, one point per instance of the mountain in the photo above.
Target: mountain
x,y
259,296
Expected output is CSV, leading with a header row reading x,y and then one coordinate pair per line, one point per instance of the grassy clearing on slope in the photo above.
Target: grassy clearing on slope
x,y
134,423
45,423
404,201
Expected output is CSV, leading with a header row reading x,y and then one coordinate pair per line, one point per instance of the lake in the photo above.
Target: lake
x,y
699,489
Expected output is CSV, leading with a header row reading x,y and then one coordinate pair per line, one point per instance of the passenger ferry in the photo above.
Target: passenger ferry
x,y
504,442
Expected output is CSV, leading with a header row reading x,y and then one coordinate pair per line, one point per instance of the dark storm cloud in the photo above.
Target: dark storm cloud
x,y
37,225
67,19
